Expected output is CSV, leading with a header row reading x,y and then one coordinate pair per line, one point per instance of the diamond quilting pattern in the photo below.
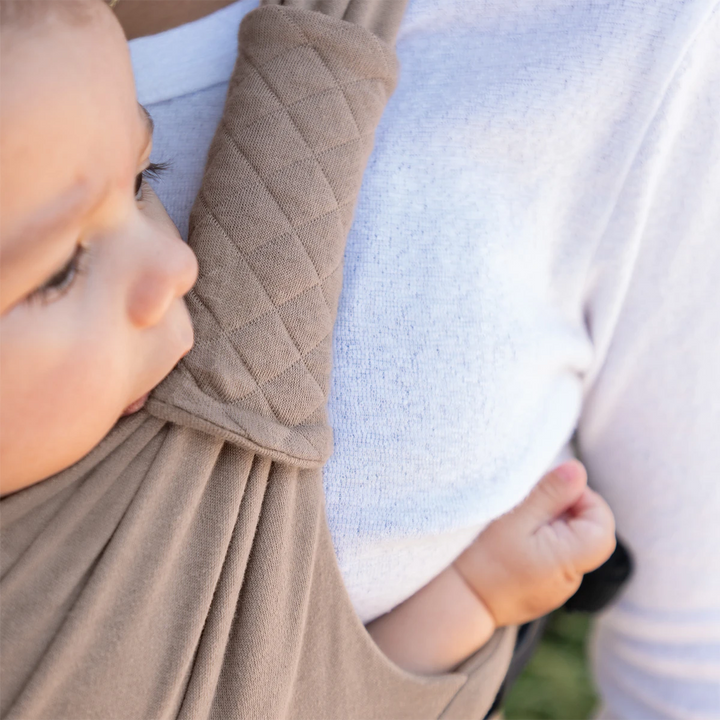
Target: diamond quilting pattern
x,y
270,224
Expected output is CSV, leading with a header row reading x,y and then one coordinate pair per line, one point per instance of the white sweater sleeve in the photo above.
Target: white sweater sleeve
x,y
651,418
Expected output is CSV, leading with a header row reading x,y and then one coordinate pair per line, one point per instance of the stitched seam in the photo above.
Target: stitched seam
x,y
320,154
322,171
298,228
277,203
316,156
292,340
279,206
289,431
258,388
209,343
308,43
186,369
248,435
282,108
359,137
237,353
294,234
332,75
243,257
312,96
321,279
384,52
228,331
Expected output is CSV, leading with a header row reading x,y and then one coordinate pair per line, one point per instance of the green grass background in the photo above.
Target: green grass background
x,y
556,684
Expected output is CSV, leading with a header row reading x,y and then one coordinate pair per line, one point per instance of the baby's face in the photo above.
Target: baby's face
x,y
92,271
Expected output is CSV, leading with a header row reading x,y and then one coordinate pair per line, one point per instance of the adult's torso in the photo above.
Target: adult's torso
x,y
464,342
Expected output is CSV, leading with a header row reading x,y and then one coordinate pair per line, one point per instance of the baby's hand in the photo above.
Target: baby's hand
x,y
522,566
531,560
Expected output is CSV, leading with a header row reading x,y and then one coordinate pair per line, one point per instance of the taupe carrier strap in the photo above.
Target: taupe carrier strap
x,y
269,228
381,17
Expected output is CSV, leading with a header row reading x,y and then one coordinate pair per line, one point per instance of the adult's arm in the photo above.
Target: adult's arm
x,y
649,429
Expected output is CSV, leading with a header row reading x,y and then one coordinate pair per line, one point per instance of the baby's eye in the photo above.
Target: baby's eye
x,y
138,186
153,170
61,282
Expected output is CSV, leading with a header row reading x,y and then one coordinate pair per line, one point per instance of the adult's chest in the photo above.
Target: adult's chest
x,y
461,345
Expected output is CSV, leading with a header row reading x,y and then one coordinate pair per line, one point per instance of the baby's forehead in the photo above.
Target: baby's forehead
x,y
70,117
68,105
26,14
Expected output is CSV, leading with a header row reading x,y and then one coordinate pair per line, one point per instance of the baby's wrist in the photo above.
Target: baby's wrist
x,y
473,589
468,575
437,628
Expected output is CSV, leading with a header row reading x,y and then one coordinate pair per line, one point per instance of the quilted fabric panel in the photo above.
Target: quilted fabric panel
x,y
269,227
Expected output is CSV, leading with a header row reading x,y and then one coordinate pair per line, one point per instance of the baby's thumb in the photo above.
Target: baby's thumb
x,y
556,492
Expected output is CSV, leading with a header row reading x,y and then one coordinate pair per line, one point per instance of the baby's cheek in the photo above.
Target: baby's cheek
x,y
60,383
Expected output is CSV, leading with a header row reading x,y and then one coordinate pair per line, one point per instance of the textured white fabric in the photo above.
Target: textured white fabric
x,y
536,251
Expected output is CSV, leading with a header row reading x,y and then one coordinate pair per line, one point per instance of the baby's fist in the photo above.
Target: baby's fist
x,y
531,560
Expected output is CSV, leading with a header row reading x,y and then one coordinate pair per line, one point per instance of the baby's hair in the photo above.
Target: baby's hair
x,y
15,14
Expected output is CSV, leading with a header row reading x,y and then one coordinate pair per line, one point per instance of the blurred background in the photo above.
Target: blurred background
x,y
556,684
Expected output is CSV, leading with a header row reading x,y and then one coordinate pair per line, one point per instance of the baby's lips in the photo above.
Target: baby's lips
x,y
135,406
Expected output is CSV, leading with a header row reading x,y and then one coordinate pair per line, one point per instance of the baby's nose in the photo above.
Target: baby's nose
x,y
169,273
187,267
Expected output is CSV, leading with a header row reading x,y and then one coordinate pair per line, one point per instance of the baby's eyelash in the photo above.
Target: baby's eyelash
x,y
61,282
154,171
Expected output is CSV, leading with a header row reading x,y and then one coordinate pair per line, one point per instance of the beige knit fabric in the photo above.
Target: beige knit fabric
x,y
380,17
269,226
184,567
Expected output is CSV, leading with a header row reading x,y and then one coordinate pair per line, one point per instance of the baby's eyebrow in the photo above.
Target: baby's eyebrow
x,y
26,245
54,217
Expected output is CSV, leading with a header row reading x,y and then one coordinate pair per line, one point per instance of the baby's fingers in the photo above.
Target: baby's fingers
x,y
592,526
555,494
